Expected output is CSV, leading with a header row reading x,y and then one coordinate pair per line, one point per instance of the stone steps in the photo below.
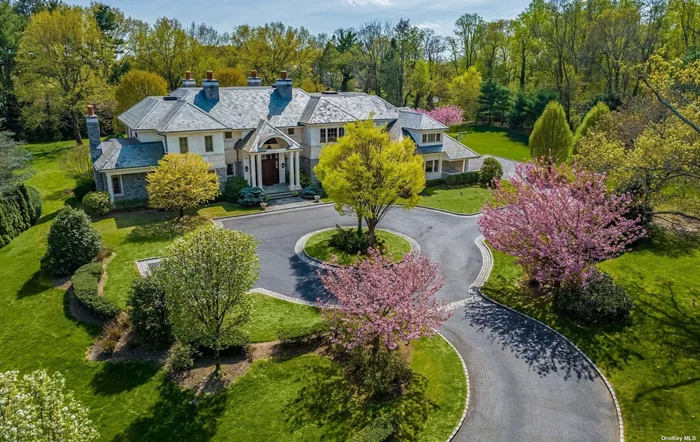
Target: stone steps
x,y
279,195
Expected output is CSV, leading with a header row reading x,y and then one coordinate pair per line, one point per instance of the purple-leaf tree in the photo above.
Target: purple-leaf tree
x,y
381,304
446,115
558,222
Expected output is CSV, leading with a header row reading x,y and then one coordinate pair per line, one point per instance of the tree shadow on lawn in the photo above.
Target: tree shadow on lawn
x,y
38,283
157,229
92,329
178,415
308,284
118,377
545,351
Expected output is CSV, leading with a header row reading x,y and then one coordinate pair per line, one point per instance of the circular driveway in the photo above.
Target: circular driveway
x,y
526,382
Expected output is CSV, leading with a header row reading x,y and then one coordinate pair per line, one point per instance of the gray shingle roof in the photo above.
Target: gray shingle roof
x,y
322,111
411,119
456,150
360,106
263,132
127,153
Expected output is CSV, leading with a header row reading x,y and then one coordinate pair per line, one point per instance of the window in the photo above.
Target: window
x,y
117,185
341,132
425,138
331,134
290,131
208,143
184,148
228,135
431,166
323,135
438,137
136,134
229,169
431,138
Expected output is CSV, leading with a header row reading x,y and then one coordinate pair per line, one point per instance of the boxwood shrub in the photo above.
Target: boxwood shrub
x,y
490,170
601,303
148,312
84,283
470,177
378,430
436,182
234,185
97,203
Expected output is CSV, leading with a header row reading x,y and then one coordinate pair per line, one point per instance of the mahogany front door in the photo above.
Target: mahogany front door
x,y
270,169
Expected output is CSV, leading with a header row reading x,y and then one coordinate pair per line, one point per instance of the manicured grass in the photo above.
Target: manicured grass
x,y
136,401
269,315
317,247
460,199
492,140
652,363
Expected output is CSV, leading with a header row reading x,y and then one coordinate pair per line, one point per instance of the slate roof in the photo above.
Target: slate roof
x,y
360,106
456,150
127,153
264,131
410,119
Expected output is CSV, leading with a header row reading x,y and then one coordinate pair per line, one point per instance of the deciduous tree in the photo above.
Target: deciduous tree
x,y
559,221
368,172
207,274
136,85
447,115
181,181
465,90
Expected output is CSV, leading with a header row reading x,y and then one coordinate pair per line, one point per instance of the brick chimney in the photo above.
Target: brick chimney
x,y
188,81
210,86
284,86
93,130
254,80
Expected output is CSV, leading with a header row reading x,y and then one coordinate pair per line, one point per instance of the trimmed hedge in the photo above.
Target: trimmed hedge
x,y
136,203
97,203
436,182
20,208
462,178
302,334
378,430
84,282
602,302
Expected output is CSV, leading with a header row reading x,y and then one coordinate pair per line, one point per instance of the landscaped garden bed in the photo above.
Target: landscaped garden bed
x,y
319,247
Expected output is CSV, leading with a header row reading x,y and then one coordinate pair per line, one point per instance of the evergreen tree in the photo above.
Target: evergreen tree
x,y
551,137
520,111
494,101
593,116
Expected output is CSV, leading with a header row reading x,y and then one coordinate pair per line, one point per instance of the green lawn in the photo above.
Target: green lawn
x,y
269,315
492,140
136,401
653,362
317,247
460,199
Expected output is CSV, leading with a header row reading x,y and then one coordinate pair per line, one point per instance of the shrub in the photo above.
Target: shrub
x,y
83,186
313,189
97,203
35,204
470,177
305,180
84,283
20,208
233,187
602,302
180,358
112,332
350,242
251,196
136,203
378,430
303,334
490,170
72,242
436,182
451,180
149,313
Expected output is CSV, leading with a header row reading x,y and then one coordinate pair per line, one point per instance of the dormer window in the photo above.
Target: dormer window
x,y
432,138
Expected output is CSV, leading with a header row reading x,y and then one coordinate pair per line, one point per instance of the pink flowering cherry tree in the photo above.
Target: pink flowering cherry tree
x,y
558,222
447,115
381,303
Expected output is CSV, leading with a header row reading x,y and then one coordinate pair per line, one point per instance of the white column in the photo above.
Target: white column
x,y
110,188
253,181
280,163
297,175
258,161
290,167
440,166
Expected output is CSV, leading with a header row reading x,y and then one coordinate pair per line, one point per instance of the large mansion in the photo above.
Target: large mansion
x,y
269,135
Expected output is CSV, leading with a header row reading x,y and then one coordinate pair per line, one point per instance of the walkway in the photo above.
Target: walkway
x,y
526,383
508,165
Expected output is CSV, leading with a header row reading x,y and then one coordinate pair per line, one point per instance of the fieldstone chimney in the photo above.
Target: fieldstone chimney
x,y
93,130
211,86
284,86
254,80
188,81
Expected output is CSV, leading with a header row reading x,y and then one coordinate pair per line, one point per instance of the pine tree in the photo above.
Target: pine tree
x,y
520,111
551,137
494,101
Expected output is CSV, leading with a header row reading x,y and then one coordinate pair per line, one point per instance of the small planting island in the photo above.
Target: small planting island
x,y
318,247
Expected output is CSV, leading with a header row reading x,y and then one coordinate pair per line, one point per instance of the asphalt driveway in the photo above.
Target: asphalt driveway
x,y
527,384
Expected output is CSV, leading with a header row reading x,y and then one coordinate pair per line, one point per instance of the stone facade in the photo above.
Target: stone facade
x,y
134,187
452,166
221,173
307,165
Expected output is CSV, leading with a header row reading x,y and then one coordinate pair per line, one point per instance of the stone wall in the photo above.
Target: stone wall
x,y
307,165
134,187
221,173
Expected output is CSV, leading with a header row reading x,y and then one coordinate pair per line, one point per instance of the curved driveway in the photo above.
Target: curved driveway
x,y
527,384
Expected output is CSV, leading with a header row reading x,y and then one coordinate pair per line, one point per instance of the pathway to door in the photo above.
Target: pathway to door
x,y
526,383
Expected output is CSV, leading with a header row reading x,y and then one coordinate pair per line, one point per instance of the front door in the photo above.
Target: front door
x,y
270,171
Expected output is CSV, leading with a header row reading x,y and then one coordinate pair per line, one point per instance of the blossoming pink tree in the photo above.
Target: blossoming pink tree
x,y
559,222
381,304
446,115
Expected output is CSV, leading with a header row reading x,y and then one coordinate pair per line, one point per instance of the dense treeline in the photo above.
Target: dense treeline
x,y
20,208
578,52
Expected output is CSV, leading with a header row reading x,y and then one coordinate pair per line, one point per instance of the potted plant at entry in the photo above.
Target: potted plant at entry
x,y
263,204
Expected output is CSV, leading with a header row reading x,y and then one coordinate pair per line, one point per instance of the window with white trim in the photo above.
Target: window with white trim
x,y
208,143
228,135
229,169
432,166
290,131
331,134
184,147
431,138
117,185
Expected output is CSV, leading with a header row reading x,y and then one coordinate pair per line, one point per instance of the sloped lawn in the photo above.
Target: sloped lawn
x,y
653,363
458,199
494,140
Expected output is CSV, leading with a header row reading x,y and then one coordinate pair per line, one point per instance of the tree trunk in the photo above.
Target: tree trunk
x,y
371,226
217,356
359,226
76,131
182,213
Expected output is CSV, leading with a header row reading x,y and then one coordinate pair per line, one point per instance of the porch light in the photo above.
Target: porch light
x,y
283,165
246,168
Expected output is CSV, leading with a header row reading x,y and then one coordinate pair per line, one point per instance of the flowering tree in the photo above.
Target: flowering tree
x,y
559,222
381,303
446,115
34,408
